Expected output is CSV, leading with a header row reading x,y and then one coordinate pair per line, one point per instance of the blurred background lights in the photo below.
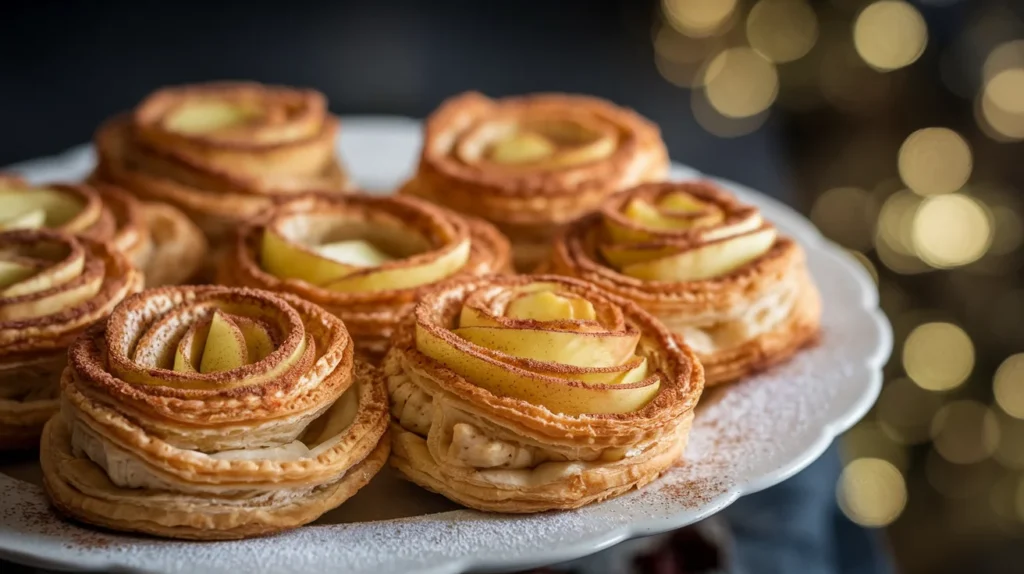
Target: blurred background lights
x,y
935,160
951,230
965,432
1010,451
1005,56
896,221
1002,105
871,492
844,215
740,83
782,30
938,356
905,411
890,34
1008,386
699,18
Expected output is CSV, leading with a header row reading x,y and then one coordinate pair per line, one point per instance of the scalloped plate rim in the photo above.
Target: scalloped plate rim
x,y
80,157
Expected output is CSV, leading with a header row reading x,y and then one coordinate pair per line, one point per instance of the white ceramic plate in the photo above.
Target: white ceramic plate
x,y
746,437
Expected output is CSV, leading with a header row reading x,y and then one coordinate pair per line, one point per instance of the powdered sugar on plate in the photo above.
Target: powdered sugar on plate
x,y
746,437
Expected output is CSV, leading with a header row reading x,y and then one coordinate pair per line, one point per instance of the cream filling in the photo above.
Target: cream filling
x,y
454,442
126,470
710,334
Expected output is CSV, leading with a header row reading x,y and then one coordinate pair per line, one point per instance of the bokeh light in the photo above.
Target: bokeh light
x,y
1010,451
905,411
681,59
1008,386
871,492
951,230
935,160
782,30
843,214
1001,106
869,440
890,34
965,432
896,225
740,83
722,126
699,18
938,356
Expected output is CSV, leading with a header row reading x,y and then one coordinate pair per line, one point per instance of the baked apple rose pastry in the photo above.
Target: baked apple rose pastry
x,y
708,266
157,238
220,152
213,413
366,259
53,286
533,163
532,393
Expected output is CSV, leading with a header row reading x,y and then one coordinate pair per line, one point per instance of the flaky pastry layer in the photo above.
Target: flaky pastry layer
x,y
739,322
370,315
506,454
529,201
68,284
264,447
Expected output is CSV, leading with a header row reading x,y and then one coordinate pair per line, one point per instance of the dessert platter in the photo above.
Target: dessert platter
x,y
512,335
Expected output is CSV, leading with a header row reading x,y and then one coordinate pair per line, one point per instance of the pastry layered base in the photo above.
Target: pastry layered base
x,y
144,444
545,435
534,163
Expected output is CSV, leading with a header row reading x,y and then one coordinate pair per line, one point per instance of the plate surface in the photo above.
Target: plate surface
x,y
746,437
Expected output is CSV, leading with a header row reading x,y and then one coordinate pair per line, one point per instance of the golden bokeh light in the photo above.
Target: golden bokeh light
x,y
871,492
844,215
905,411
951,230
782,30
699,18
1001,105
1008,386
1005,56
965,432
681,59
1010,451
740,83
935,160
721,126
896,221
868,440
938,356
890,34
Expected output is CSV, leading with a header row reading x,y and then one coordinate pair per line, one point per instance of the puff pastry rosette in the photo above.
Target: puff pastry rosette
x,y
531,393
221,152
708,266
533,163
157,238
366,259
213,413
53,286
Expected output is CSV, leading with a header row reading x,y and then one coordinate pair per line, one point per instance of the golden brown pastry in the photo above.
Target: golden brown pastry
x,y
213,413
532,393
533,163
711,268
366,259
156,237
53,286
221,152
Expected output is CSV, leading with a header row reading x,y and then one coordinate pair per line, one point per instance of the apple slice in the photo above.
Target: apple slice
x,y
620,389
522,147
13,272
356,252
285,259
550,306
596,350
225,347
705,261
404,277
30,219
209,116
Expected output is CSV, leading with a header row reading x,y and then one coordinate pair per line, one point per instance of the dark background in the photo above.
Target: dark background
x,y
65,66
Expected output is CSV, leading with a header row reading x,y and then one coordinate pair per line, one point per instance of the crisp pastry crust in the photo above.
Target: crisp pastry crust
x,y
531,164
742,309
221,152
53,287
157,238
511,429
429,243
145,444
